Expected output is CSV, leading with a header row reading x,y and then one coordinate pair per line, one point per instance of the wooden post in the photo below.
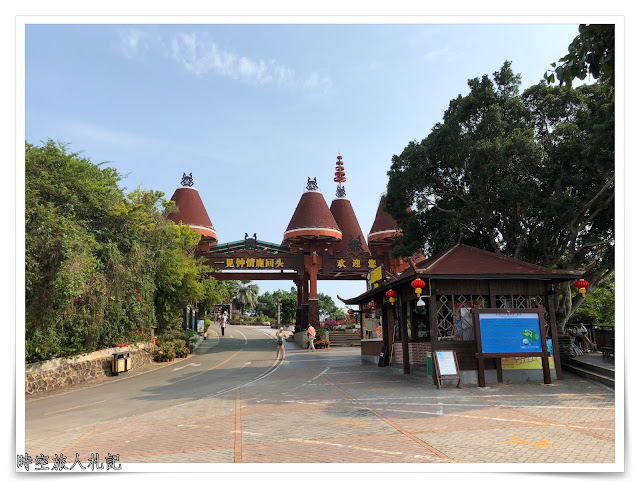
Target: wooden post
x,y
493,304
479,355
385,330
551,310
406,367
546,372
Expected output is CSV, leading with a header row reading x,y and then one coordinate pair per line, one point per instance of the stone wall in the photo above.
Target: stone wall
x,y
60,372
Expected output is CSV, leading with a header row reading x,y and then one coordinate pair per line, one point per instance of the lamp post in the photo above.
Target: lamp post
x,y
279,302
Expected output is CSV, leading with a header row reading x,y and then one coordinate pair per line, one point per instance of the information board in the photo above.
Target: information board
x,y
446,367
200,325
446,363
507,333
510,333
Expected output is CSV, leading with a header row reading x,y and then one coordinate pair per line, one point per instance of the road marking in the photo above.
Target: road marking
x,y
358,448
237,451
210,369
80,439
537,445
352,423
190,364
389,422
245,337
73,408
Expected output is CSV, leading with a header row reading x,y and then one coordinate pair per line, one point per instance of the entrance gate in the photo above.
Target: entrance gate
x,y
301,263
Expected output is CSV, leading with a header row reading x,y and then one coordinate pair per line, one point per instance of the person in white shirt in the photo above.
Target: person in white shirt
x,y
583,336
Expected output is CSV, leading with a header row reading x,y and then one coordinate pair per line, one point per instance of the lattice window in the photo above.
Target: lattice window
x,y
445,317
455,316
519,301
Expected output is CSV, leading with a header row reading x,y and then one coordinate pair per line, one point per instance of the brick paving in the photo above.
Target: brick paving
x,y
329,407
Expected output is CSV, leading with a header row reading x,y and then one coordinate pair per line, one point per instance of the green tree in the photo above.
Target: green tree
x,y
328,308
529,176
247,296
592,52
599,307
100,266
215,292
267,305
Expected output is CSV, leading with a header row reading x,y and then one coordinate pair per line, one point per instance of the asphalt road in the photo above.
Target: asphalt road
x,y
220,365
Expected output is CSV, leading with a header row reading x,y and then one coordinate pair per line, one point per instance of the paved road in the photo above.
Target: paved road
x,y
232,402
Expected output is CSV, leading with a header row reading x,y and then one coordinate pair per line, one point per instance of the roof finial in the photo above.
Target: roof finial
x,y
340,178
312,184
187,180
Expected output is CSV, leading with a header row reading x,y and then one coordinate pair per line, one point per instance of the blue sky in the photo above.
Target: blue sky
x,y
253,110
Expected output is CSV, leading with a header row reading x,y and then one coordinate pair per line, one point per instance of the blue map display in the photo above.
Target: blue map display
x,y
510,333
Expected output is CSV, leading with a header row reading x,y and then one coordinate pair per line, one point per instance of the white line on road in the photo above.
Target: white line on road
x,y
245,337
190,364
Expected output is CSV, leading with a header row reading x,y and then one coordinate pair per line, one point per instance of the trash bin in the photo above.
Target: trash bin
x,y
429,363
121,362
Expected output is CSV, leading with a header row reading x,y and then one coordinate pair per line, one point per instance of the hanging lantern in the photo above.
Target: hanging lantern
x,y
582,286
418,285
372,305
350,312
392,295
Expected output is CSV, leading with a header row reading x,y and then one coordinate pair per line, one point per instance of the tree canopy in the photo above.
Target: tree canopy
x,y
268,305
527,175
592,52
101,266
246,296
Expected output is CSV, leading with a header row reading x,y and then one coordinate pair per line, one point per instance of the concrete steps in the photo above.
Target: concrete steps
x,y
344,339
601,374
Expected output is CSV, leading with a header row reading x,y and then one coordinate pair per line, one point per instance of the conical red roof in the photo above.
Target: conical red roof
x,y
384,225
345,217
191,211
312,219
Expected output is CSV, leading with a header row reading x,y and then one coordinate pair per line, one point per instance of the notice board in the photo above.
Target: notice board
x,y
510,333
502,333
446,367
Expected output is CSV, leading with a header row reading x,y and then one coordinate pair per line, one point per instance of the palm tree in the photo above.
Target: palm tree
x,y
247,295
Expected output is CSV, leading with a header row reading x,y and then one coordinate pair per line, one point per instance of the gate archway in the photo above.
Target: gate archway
x,y
320,243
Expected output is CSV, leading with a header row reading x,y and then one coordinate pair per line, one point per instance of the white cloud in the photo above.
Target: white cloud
x,y
200,55
134,42
445,52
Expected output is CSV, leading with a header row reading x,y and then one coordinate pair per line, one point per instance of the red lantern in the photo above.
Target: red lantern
x,y
582,286
350,311
418,285
392,295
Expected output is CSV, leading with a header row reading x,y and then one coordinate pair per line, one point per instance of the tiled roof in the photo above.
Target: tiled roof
x,y
345,217
191,211
384,225
312,218
466,260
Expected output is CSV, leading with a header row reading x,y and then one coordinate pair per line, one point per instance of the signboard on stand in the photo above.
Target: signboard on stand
x,y
446,367
510,333
201,325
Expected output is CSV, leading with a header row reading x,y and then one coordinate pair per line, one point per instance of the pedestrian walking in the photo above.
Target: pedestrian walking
x,y
311,335
223,322
280,343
